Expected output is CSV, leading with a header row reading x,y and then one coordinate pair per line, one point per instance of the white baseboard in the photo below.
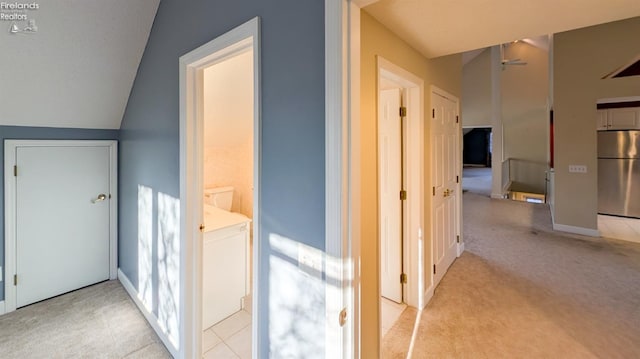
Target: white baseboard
x,y
497,195
576,230
150,317
426,297
2,308
460,248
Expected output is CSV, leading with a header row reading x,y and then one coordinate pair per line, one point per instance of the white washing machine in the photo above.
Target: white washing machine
x,y
225,273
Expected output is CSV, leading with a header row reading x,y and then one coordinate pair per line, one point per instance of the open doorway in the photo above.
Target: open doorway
x,y
476,157
220,192
228,205
391,173
400,191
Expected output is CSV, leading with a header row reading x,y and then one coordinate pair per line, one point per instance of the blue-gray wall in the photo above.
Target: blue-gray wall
x,y
292,150
41,133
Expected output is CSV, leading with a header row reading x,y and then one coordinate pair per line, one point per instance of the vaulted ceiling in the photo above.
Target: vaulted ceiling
x,y
443,27
78,68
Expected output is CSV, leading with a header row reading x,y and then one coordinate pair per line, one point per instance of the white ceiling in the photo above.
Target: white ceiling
x,y
444,27
77,70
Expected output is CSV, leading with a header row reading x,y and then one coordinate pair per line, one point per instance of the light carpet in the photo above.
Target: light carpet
x,y
477,180
99,321
521,290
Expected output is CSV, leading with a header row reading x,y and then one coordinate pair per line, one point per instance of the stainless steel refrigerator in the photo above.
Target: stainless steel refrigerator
x,y
619,173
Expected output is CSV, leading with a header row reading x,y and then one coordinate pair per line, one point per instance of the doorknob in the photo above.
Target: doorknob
x,y
101,197
446,193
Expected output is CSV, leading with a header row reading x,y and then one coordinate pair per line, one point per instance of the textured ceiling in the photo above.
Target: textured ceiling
x,y
443,27
77,70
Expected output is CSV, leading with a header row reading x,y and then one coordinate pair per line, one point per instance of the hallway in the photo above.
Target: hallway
x,y
477,180
523,291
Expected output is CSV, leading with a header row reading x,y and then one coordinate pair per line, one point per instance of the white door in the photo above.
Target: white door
x,y
62,220
390,170
445,156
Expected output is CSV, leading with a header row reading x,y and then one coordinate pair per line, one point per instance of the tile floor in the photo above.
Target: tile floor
x,y
390,313
231,338
627,229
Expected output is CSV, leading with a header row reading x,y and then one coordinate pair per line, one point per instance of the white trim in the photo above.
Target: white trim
x,y
618,99
10,150
152,319
476,126
498,196
427,295
9,229
354,190
113,210
460,247
192,65
413,259
445,94
576,230
338,268
257,188
497,133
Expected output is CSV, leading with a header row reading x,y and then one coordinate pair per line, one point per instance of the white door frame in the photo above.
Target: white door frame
x,y
192,65
342,177
412,88
10,152
338,269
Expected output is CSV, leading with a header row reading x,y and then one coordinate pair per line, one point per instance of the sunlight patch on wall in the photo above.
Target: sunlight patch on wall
x,y
145,246
296,301
169,265
159,260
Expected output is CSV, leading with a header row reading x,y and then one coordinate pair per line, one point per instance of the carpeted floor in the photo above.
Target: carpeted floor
x,y
477,180
99,321
521,290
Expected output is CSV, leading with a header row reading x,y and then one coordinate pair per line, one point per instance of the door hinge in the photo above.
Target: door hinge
x,y
403,112
15,171
201,228
433,113
457,119
457,179
15,279
458,238
403,278
434,269
403,195
434,191
342,318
